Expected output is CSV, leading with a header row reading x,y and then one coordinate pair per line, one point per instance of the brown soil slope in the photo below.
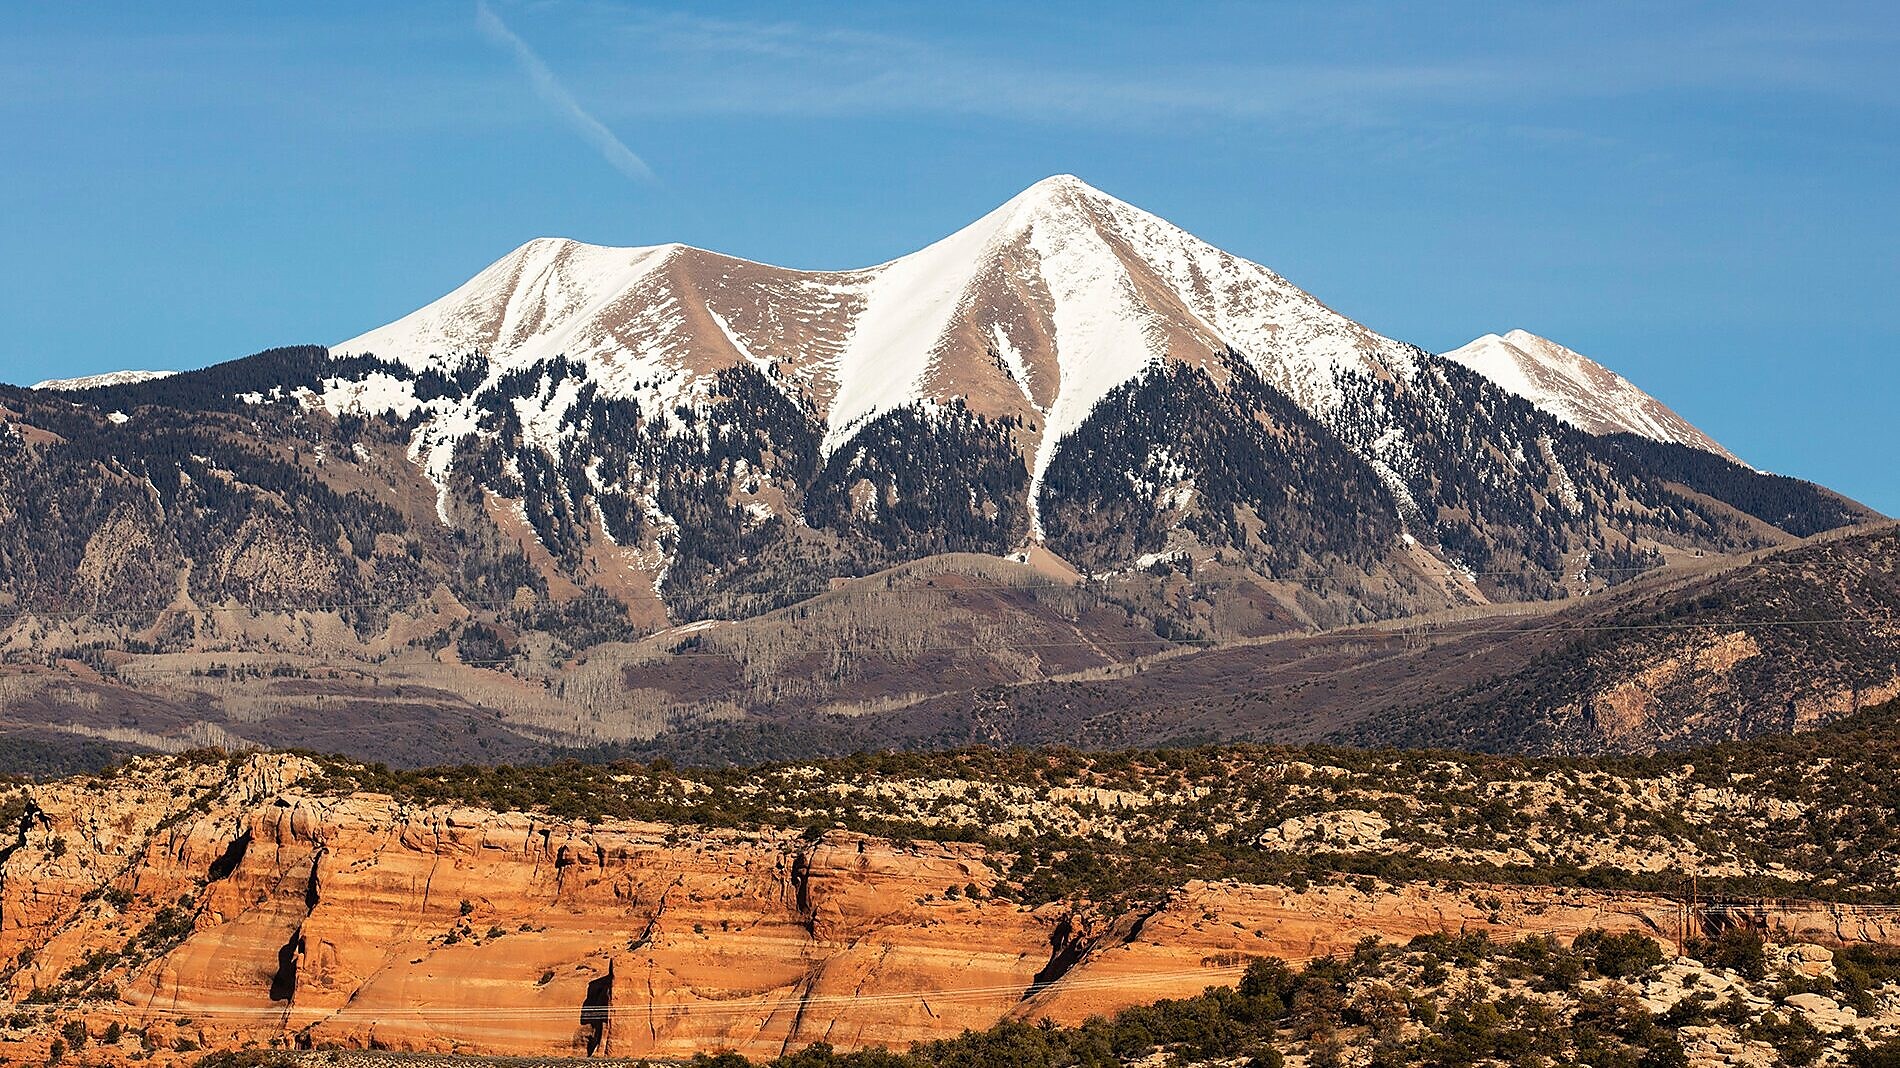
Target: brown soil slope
x,y
1708,650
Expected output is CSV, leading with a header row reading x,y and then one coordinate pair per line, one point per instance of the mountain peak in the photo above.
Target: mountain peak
x,y
1037,310
1058,196
556,245
544,244
1577,389
1057,184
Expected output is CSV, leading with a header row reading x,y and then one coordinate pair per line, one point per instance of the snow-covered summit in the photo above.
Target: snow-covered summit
x,y
1066,373
110,378
1036,310
1029,317
1577,389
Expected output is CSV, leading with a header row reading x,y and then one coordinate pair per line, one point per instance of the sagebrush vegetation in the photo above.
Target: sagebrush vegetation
x,y
1810,815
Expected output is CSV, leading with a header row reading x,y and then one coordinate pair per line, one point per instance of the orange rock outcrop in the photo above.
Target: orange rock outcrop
x,y
227,905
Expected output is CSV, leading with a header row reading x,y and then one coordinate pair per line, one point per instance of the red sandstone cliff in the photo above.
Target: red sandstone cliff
x,y
224,905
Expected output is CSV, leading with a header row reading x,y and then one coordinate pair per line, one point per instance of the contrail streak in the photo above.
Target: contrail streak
x,y
550,90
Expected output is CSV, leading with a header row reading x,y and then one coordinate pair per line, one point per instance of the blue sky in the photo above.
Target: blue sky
x,y
1702,196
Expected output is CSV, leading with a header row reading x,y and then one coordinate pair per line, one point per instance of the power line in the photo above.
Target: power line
x,y
1185,645
854,586
1211,645
1012,991
747,1006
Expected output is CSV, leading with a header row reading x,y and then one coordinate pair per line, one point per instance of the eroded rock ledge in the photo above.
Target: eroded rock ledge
x,y
225,903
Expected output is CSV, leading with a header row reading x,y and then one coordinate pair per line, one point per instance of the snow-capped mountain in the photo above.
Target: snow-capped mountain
x,y
603,492
110,378
1033,312
1577,389
1065,357
690,434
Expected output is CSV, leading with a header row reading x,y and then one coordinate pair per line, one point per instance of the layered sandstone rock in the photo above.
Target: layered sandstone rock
x,y
1206,933
364,921
226,903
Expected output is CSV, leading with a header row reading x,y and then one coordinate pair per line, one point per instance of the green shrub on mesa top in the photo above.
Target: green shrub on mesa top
x,y
1204,813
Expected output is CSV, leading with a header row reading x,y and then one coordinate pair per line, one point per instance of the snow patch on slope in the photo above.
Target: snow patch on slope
x,y
908,306
1290,338
1012,358
375,393
110,378
534,303
1097,315
745,352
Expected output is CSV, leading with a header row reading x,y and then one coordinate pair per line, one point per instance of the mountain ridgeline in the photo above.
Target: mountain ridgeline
x,y
739,498
585,446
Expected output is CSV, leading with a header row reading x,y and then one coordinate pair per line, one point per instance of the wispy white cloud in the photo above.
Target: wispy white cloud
x,y
693,64
551,91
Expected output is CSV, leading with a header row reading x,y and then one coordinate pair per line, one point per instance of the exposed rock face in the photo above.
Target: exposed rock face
x,y
1214,929
255,905
362,921
1348,826
1629,678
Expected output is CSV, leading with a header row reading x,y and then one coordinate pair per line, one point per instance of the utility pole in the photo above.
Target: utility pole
x,y
1682,927
1695,883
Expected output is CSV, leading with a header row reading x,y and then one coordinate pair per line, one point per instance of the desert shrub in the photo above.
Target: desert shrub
x,y
1619,956
247,1058
1884,1054
74,1032
1739,949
